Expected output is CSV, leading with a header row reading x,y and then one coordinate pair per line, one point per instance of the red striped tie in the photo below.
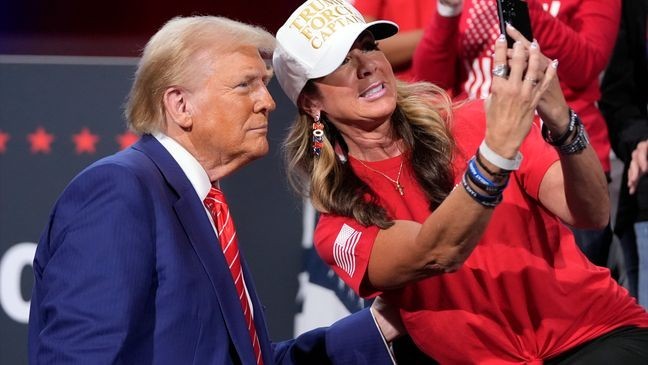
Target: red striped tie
x,y
217,206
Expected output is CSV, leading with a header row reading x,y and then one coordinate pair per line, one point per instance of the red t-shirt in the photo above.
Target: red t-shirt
x,y
526,293
408,14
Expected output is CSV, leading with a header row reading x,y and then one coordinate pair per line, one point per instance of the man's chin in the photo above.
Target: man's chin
x,y
257,153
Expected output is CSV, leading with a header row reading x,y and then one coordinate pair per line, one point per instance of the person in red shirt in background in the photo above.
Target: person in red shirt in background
x,y
412,16
456,49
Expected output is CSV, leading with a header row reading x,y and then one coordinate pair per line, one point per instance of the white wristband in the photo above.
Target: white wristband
x,y
449,11
499,161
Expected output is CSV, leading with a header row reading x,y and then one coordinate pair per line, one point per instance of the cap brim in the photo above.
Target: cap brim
x,y
341,42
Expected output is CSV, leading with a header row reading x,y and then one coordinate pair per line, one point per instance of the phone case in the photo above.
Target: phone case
x,y
516,13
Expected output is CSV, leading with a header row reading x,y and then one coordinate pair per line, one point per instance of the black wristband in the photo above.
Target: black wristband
x,y
489,201
479,180
500,174
560,140
579,143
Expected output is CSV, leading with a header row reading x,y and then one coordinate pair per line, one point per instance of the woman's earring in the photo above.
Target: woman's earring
x,y
318,135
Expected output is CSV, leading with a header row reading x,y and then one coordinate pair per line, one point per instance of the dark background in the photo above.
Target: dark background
x,y
117,27
65,94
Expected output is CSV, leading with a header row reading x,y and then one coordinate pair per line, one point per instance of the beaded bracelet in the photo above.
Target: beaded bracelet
x,y
579,143
576,129
489,201
482,181
573,121
499,161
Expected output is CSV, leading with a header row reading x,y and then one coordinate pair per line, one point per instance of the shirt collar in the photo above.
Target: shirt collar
x,y
190,166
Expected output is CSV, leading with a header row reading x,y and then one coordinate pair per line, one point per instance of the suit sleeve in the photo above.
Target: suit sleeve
x,y
582,43
354,339
94,270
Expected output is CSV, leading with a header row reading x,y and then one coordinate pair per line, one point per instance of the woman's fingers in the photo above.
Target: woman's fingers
x,y
534,73
518,63
550,74
500,60
516,35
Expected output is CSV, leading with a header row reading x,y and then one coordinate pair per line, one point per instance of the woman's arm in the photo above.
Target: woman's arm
x,y
448,236
575,189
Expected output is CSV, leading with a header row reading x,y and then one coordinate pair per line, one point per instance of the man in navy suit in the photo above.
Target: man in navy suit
x,y
129,269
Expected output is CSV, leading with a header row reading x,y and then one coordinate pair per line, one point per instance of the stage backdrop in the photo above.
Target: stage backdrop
x,y
58,115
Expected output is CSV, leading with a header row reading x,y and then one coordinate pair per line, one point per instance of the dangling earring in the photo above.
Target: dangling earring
x,y
318,135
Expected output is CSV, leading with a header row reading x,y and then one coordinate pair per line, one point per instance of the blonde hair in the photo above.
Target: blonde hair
x,y
168,56
422,119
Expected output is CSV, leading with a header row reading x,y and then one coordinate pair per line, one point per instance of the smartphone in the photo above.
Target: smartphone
x,y
516,13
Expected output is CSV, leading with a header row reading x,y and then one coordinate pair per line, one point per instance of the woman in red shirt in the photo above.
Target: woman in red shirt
x,y
436,210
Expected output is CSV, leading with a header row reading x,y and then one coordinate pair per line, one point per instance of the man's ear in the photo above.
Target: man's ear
x,y
177,107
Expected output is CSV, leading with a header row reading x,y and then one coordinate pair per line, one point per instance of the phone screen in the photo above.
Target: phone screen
x,y
516,13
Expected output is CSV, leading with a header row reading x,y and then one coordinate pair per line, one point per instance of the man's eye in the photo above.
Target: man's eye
x,y
243,84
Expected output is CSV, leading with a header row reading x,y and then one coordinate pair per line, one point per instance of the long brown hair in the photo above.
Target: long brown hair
x,y
421,119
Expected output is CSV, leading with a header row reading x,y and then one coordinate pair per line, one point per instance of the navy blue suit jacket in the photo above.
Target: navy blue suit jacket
x,y
128,271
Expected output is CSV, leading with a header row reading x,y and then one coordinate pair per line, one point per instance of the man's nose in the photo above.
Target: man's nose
x,y
265,103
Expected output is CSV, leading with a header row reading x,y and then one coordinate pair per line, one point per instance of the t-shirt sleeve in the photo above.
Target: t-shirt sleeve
x,y
345,245
538,157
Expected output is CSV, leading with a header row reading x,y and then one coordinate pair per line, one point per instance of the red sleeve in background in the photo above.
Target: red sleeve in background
x,y
370,8
435,58
581,39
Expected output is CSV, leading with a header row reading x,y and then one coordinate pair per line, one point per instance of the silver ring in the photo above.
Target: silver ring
x,y
533,81
501,70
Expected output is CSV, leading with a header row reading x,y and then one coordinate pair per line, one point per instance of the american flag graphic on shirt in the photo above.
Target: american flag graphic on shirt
x,y
344,249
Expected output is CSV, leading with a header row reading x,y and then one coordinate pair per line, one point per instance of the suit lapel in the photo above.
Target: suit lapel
x,y
193,217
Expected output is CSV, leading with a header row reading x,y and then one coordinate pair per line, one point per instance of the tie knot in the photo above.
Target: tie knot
x,y
214,199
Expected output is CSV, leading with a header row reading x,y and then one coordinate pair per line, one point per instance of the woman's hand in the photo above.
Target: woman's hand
x,y
514,97
552,107
638,165
388,319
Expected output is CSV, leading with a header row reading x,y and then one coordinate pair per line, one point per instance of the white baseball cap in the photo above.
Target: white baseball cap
x,y
316,38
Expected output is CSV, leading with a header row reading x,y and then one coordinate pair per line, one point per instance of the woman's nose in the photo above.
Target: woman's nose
x,y
365,65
